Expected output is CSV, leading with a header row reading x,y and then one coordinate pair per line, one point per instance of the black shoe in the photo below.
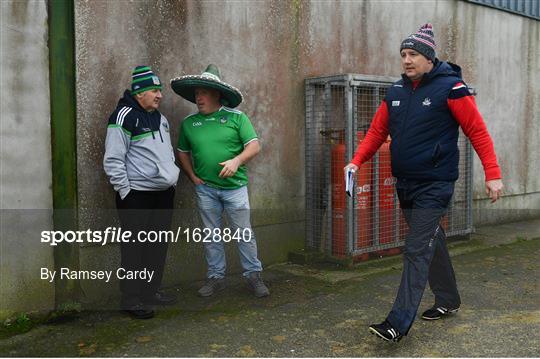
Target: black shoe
x,y
160,298
212,285
139,311
386,331
437,312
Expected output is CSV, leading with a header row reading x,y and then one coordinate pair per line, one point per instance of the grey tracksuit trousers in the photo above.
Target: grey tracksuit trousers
x,y
425,256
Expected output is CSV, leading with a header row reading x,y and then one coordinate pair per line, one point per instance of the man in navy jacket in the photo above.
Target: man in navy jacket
x,y
422,113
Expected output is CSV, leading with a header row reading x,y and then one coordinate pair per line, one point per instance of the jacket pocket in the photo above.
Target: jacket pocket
x,y
167,172
143,172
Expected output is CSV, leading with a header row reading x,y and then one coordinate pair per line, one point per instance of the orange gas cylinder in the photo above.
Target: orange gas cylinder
x,y
339,201
444,222
386,195
364,205
386,184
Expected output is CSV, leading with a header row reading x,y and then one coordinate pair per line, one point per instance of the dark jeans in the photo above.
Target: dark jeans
x,y
143,211
425,256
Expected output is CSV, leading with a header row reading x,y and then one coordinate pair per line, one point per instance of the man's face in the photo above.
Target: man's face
x,y
149,100
414,64
207,100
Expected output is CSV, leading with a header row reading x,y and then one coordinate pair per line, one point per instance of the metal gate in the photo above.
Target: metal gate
x,y
339,110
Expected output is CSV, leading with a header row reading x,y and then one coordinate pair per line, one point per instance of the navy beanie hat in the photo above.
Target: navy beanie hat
x,y
144,79
422,41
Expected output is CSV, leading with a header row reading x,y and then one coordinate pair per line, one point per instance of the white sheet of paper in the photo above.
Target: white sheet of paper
x,y
349,181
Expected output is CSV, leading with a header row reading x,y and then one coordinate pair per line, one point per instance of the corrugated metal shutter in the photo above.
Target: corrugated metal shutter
x,y
529,8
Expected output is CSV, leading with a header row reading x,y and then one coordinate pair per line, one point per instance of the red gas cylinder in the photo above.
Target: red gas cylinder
x,y
339,201
364,205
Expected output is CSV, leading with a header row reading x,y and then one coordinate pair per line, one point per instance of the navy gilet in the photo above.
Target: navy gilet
x,y
424,133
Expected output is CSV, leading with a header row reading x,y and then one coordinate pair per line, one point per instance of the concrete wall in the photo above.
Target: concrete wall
x,y
267,49
504,65
25,157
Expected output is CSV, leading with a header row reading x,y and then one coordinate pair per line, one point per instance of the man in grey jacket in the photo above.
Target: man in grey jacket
x,y
139,161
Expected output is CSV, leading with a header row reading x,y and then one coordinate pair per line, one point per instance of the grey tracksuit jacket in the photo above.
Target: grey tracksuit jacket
x,y
138,150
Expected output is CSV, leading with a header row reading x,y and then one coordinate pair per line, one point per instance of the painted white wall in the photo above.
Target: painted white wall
x,y
25,158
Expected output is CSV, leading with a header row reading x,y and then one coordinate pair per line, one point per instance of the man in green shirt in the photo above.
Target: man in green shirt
x,y
213,147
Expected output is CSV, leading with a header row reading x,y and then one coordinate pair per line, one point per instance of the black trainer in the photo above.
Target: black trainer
x,y
386,331
437,312
138,311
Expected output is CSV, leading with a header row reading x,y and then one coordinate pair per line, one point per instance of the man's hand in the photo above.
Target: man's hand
x,y
494,189
350,165
196,180
229,168
185,161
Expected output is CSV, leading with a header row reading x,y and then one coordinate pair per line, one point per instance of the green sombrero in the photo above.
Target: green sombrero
x,y
185,86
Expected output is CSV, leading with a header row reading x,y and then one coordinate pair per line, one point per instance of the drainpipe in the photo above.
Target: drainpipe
x,y
63,142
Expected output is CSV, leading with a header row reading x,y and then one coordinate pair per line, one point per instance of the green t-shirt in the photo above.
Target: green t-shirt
x,y
216,138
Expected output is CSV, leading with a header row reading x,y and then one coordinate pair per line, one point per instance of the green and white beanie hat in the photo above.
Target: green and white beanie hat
x,y
144,79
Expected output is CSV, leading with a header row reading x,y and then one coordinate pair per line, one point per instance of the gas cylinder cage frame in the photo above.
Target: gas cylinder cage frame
x,y
338,108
